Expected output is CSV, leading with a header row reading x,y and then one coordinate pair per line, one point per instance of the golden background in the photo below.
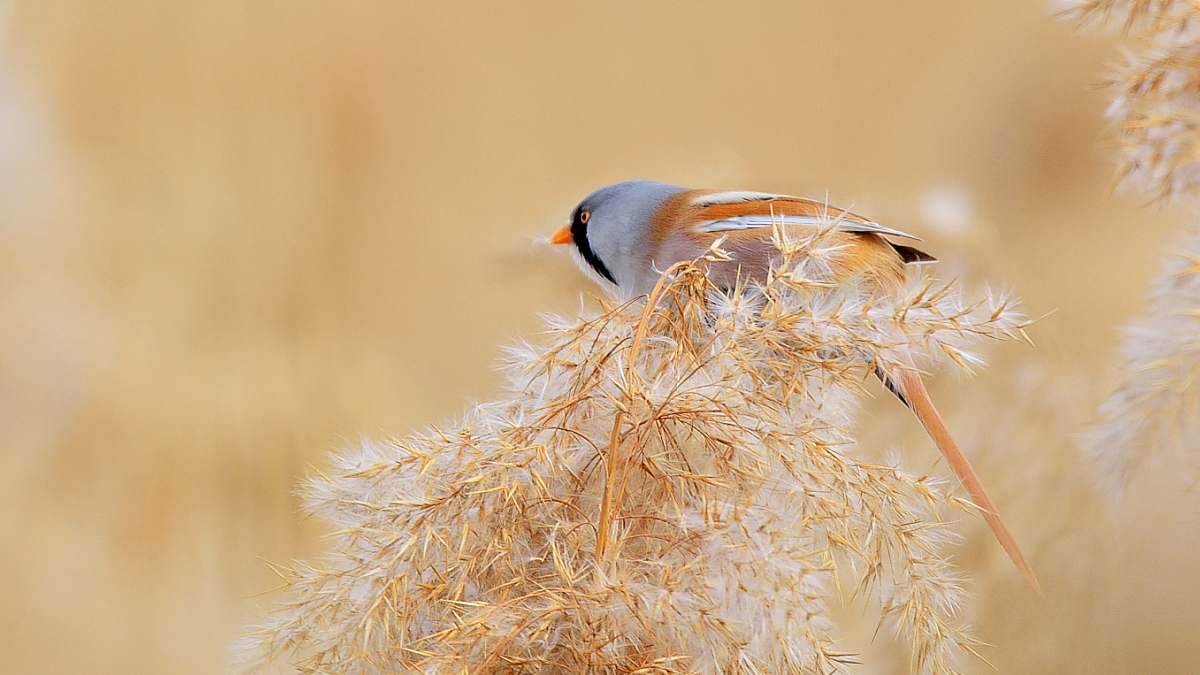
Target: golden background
x,y
236,236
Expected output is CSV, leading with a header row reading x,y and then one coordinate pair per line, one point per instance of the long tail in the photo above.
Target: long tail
x,y
910,389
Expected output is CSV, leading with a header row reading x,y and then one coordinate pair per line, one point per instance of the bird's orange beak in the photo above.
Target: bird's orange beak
x,y
562,236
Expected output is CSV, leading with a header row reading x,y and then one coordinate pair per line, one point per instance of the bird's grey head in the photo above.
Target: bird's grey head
x,y
609,232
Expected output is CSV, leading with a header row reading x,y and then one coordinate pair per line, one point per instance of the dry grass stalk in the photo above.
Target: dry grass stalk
x,y
717,428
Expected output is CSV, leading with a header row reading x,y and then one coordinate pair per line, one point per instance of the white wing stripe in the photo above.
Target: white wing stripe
x,y
753,222
734,197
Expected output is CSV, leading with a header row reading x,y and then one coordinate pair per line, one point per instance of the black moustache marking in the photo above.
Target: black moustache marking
x,y
579,235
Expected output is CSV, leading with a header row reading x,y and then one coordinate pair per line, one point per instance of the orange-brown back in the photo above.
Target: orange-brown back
x,y
860,254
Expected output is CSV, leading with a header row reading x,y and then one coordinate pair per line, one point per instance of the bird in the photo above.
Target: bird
x,y
625,235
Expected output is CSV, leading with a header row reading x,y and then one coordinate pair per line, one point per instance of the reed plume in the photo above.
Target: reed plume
x,y
668,487
1155,409
1156,110
1156,91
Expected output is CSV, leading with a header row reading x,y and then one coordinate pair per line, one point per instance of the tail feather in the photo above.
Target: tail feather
x,y
910,389
891,385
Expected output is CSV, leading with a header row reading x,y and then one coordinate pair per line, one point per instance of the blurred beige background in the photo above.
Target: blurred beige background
x,y
236,236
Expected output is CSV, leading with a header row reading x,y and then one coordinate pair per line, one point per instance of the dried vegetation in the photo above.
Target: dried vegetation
x,y
669,487
1153,410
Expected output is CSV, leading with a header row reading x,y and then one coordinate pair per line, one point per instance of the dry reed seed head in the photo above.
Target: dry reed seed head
x,y
1128,15
1156,92
1156,107
717,429
1154,411
1136,18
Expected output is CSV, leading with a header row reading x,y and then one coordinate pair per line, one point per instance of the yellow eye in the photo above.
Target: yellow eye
x,y
585,216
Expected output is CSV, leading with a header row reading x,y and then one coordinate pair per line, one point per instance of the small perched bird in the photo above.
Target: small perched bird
x,y
625,235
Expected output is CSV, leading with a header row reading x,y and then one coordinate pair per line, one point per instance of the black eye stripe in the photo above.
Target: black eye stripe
x,y
579,234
